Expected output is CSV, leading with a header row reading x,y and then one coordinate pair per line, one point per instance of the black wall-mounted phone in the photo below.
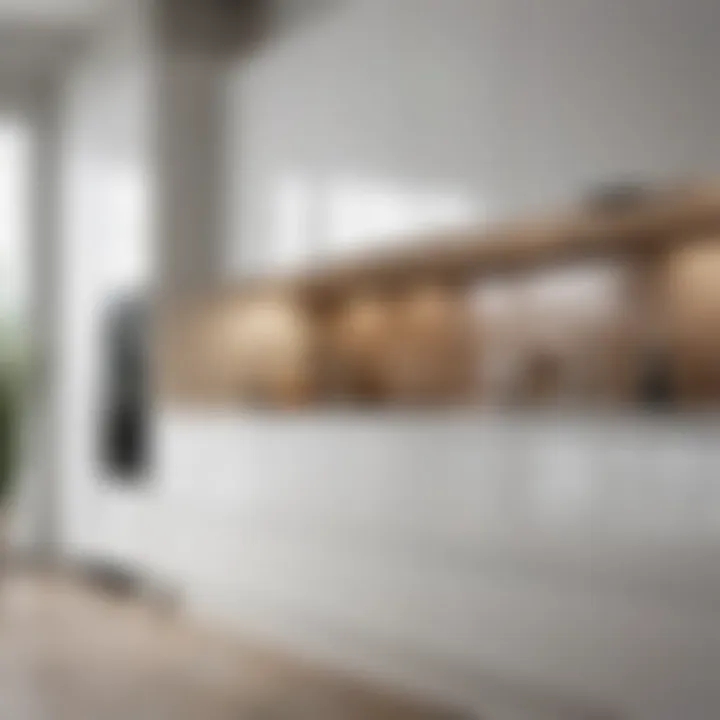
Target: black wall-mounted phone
x,y
125,412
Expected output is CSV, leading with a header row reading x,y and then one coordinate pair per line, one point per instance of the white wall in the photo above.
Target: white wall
x,y
106,186
503,105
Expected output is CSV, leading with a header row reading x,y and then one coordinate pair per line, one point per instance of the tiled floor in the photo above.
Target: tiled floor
x,y
67,653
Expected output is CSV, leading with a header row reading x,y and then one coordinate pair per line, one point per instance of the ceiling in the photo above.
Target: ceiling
x,y
38,36
49,11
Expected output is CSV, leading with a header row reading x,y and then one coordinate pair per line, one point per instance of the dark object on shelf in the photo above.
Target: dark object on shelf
x,y
657,386
619,196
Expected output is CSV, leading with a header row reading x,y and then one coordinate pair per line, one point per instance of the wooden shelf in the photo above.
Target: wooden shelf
x,y
213,357
664,218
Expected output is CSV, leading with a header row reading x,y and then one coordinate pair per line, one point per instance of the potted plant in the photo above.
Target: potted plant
x,y
12,370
